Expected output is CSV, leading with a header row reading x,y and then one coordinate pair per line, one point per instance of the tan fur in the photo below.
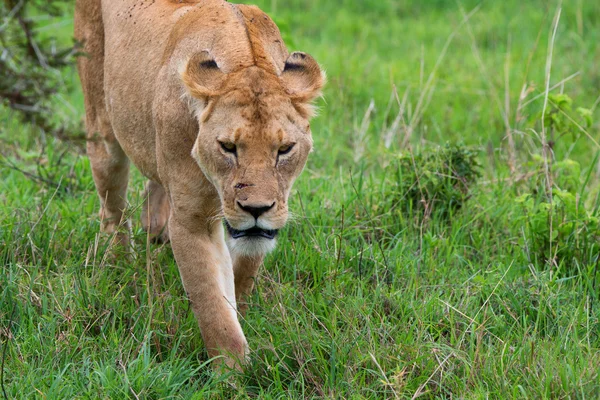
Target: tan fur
x,y
166,85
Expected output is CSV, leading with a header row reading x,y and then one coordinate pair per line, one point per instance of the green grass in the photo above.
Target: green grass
x,y
363,297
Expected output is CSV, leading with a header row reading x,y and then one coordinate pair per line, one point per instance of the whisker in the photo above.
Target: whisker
x,y
294,218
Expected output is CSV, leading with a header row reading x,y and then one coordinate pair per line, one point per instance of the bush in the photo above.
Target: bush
x,y
559,229
435,182
30,63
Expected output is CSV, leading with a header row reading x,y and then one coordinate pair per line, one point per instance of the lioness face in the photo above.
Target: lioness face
x,y
254,139
253,163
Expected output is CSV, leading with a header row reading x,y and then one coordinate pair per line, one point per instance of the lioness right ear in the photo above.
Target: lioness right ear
x,y
202,76
303,80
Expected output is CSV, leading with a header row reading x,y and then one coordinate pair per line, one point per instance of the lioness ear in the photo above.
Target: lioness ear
x,y
202,76
303,79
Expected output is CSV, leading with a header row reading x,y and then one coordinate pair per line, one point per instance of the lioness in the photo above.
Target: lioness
x,y
204,98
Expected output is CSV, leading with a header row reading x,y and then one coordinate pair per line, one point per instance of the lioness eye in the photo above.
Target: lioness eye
x,y
286,149
228,147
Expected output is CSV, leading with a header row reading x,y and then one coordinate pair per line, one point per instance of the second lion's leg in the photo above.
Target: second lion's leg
x,y
155,213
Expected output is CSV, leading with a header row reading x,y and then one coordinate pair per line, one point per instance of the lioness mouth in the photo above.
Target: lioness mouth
x,y
252,232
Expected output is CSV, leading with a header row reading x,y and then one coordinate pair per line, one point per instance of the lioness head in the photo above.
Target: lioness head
x,y
253,141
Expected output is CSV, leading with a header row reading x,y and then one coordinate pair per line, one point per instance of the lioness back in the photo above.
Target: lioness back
x,y
144,37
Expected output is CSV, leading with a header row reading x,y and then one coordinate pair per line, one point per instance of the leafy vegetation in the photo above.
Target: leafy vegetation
x,y
436,181
562,231
30,76
482,283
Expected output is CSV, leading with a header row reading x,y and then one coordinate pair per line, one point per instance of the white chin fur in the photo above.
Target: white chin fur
x,y
251,246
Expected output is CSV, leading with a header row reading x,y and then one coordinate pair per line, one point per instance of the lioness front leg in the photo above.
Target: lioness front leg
x,y
207,274
245,269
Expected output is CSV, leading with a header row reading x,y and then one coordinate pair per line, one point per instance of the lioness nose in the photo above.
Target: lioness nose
x,y
255,210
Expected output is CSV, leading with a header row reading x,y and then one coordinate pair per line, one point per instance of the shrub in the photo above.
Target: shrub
x,y
30,63
559,229
436,181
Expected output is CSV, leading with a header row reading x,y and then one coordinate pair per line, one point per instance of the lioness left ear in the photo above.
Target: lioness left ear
x,y
202,76
303,80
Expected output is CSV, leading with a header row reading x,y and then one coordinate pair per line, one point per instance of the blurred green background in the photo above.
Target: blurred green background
x,y
483,284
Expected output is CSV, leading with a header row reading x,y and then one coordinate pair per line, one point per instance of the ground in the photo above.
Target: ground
x,y
365,297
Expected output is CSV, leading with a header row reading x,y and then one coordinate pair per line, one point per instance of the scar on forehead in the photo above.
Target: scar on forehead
x,y
243,185
280,135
